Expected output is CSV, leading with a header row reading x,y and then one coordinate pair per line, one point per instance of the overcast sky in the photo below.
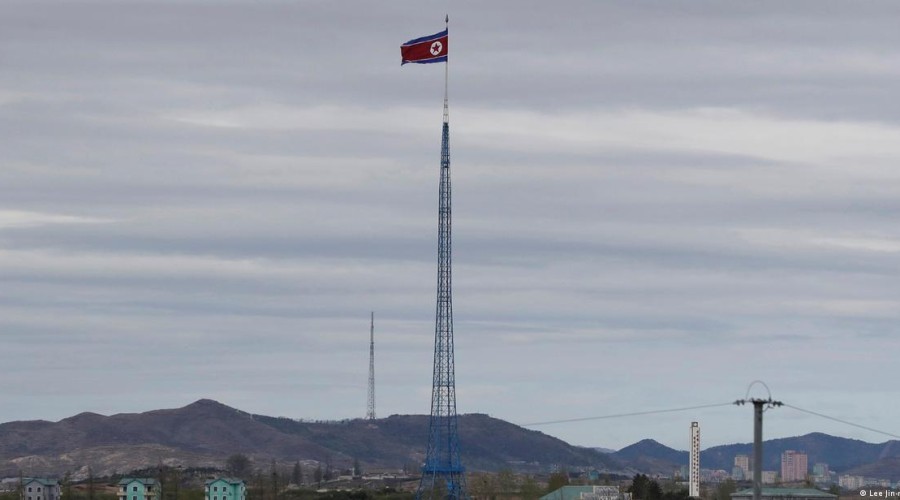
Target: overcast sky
x,y
655,203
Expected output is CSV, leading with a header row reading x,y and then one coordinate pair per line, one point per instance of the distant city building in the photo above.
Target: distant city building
x,y
769,476
225,488
794,466
854,482
139,488
743,461
820,469
785,494
821,474
587,493
737,473
694,478
40,489
714,475
603,493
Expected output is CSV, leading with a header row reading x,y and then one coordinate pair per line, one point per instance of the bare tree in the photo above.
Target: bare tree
x,y
239,465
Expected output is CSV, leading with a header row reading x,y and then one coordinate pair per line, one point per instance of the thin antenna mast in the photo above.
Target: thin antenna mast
x,y
447,74
370,412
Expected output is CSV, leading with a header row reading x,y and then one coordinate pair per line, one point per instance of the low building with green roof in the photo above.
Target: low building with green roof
x,y
225,488
39,488
587,493
785,494
139,488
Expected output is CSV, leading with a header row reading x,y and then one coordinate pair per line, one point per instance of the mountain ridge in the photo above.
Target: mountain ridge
x,y
205,432
852,456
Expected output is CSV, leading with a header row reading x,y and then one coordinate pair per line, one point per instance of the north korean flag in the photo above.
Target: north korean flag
x,y
427,49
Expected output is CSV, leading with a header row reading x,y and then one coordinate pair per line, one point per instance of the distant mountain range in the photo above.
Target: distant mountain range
x,y
205,433
847,456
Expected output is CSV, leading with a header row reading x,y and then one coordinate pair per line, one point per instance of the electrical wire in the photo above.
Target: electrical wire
x,y
700,407
618,415
842,421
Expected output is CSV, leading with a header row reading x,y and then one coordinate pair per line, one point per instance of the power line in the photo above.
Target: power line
x,y
842,421
619,415
700,407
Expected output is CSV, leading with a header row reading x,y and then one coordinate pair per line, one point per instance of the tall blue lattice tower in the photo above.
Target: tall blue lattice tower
x,y
443,476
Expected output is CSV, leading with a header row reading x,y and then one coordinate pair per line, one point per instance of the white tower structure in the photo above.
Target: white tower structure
x,y
694,488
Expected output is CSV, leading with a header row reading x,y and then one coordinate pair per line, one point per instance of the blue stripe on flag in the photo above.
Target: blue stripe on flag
x,y
426,61
426,38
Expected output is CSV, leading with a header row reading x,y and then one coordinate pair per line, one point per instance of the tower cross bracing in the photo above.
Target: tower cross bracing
x,y
443,476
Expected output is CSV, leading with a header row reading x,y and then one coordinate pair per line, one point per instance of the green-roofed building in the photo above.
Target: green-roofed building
x,y
587,493
39,488
225,488
139,488
785,494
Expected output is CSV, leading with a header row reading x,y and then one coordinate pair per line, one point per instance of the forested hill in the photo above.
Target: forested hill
x,y
206,432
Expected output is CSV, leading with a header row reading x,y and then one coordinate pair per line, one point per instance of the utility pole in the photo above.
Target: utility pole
x,y
759,405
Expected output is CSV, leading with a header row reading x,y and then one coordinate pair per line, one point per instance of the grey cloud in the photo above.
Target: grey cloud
x,y
265,174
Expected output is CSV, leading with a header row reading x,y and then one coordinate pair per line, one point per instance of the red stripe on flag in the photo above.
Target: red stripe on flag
x,y
420,52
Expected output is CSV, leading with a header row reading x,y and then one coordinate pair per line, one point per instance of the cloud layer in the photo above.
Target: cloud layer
x,y
654,205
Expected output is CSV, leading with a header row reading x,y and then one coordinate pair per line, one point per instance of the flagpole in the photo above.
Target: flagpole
x,y
446,75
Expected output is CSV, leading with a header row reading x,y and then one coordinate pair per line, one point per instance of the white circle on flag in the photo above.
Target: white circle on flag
x,y
436,48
